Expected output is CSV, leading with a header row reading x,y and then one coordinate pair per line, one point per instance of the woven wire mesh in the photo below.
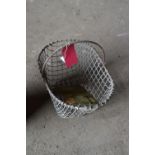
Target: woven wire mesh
x,y
90,73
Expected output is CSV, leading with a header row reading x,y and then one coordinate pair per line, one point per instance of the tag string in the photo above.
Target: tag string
x,y
66,48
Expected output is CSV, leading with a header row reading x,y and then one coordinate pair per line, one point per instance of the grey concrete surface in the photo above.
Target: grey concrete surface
x,y
104,132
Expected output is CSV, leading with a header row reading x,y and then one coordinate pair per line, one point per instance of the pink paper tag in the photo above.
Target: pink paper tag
x,y
70,55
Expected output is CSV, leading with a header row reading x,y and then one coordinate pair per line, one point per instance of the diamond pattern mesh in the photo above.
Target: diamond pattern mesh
x,y
90,73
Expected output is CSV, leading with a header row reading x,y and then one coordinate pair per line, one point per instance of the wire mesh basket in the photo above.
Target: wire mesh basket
x,y
90,73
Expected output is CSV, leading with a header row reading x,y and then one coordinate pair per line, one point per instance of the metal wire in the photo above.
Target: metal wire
x,y
90,73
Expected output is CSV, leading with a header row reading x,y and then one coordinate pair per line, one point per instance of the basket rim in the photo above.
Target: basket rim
x,y
68,42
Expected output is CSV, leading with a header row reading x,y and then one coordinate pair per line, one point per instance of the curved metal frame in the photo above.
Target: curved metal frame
x,y
68,111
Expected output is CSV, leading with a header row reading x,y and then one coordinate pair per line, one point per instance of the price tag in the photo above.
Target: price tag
x,y
69,55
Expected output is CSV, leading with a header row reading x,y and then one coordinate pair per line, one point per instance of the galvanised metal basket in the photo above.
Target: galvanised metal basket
x,y
90,73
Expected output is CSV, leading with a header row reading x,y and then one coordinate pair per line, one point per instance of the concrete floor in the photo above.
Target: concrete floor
x,y
104,132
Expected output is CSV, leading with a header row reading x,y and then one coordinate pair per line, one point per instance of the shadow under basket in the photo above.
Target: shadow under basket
x,y
89,73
